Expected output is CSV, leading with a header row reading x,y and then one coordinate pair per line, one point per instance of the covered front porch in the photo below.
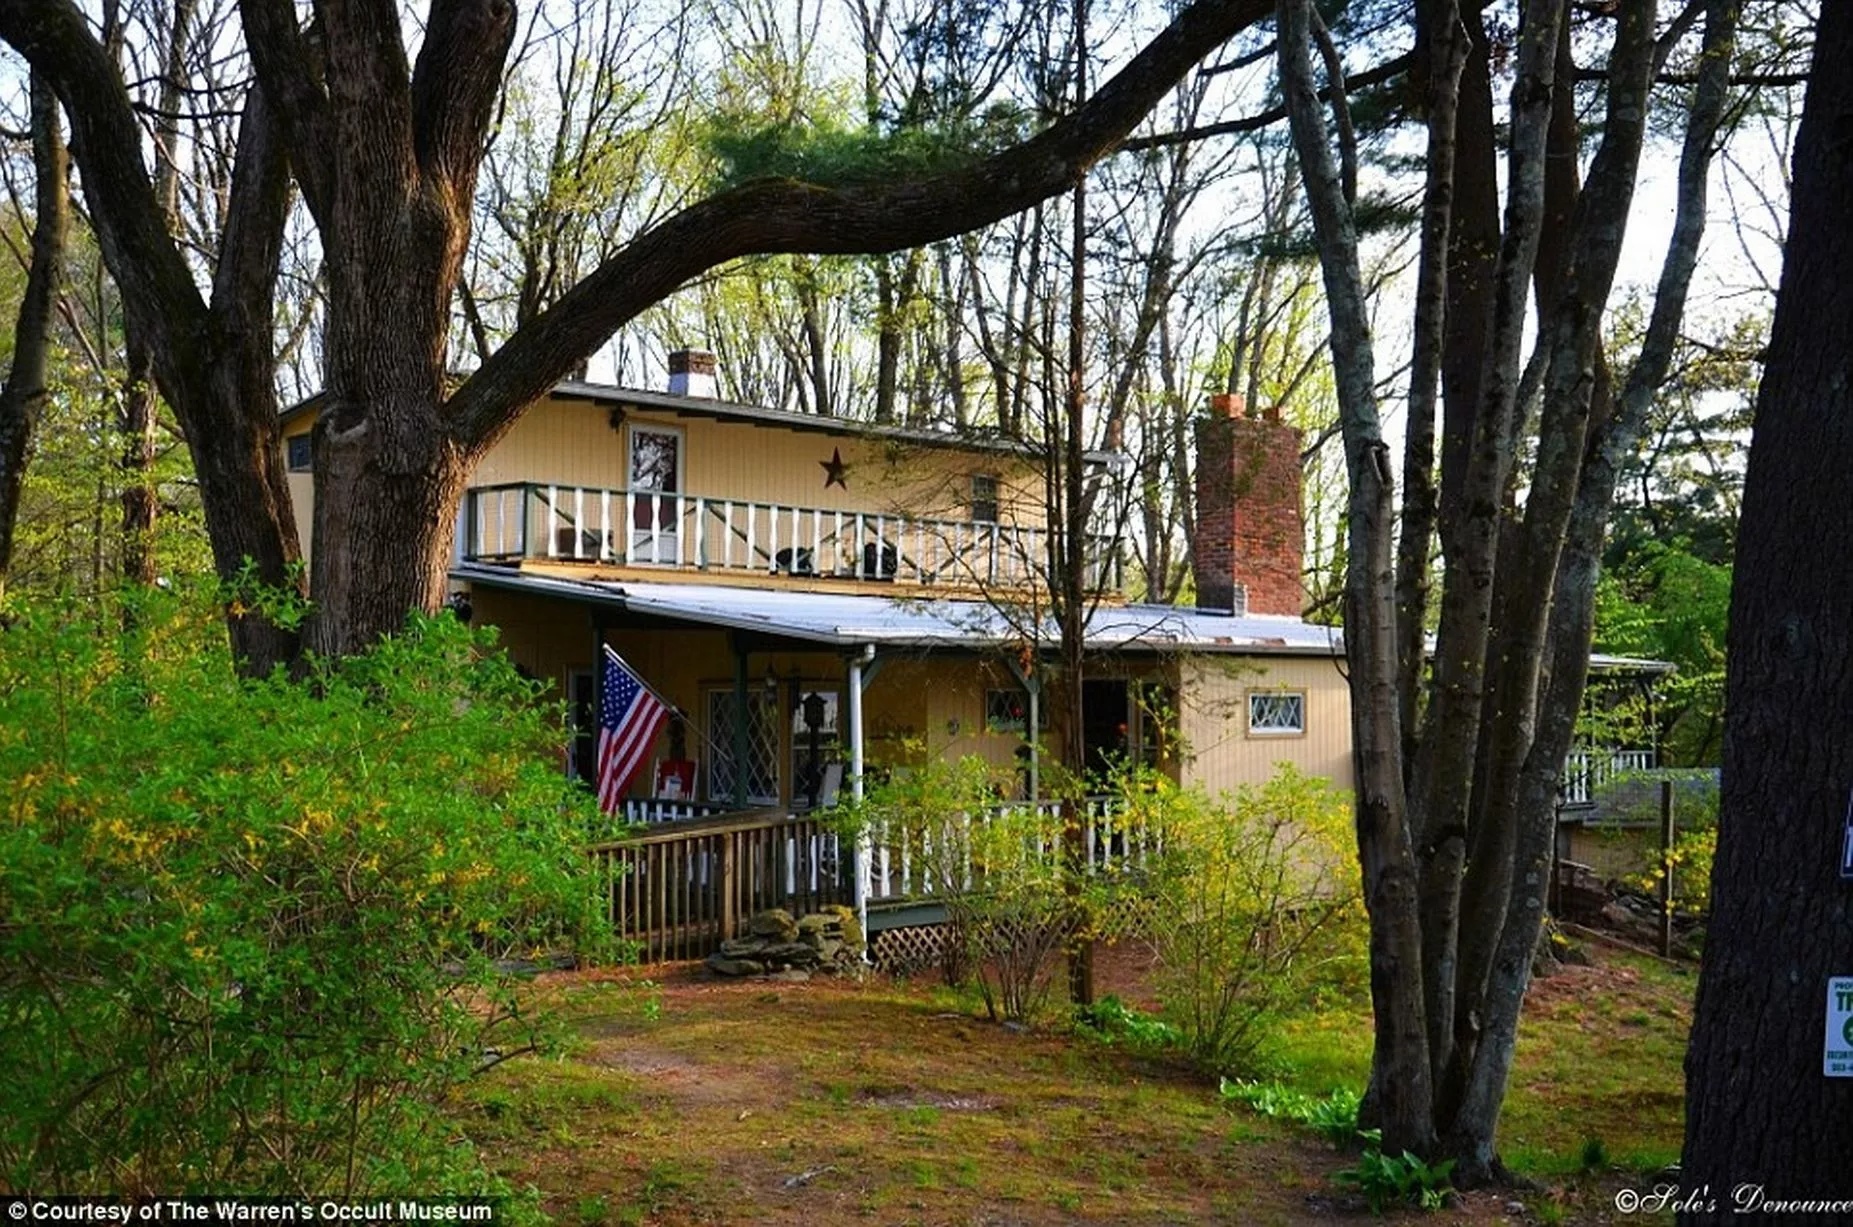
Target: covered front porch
x,y
787,700
783,705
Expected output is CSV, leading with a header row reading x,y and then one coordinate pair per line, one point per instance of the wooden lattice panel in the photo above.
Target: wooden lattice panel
x,y
909,950
1124,918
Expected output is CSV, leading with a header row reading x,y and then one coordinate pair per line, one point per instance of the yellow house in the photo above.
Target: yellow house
x,y
813,593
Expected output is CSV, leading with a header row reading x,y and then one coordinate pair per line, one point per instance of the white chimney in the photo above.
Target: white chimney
x,y
691,373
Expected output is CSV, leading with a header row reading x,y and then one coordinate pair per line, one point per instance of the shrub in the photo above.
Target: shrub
x,y
1690,858
1257,899
1010,906
250,930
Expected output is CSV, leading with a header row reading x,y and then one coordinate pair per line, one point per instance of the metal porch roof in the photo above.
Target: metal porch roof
x,y
851,620
855,619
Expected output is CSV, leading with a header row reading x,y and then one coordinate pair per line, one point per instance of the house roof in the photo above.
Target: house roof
x,y
611,396
855,619
852,620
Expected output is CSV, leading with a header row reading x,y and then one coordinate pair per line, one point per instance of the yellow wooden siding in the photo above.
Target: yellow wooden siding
x,y
1221,753
936,702
302,503
572,444
1613,853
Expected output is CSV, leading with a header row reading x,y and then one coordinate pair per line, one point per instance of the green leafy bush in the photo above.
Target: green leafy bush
x,y
1112,1021
250,930
1385,1180
1256,905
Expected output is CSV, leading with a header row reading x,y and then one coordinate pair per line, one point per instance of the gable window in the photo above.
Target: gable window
x,y
1276,713
301,454
984,498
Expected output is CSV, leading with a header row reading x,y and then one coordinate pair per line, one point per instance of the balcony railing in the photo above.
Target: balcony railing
x,y
530,521
1585,770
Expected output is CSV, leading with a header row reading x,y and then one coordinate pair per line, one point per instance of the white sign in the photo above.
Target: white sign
x,y
1838,1063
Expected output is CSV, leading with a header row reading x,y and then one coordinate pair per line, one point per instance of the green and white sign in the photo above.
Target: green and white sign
x,y
1838,1062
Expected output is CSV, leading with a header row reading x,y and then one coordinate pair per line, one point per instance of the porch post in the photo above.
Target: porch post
x,y
864,845
1031,681
739,724
1035,741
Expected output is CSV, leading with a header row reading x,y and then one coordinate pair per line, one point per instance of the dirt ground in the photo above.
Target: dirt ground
x,y
690,1100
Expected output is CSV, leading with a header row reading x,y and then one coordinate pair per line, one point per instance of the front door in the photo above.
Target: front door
x,y
1104,711
655,495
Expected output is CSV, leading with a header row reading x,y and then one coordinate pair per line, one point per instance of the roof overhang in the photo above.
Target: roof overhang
x,y
850,620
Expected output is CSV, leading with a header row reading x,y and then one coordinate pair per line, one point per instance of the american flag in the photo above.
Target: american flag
x,y
628,718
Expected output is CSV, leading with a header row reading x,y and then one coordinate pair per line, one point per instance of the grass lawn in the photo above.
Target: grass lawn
x,y
1599,1061
695,1101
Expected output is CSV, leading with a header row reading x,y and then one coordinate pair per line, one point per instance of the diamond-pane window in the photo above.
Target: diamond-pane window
x,y
762,747
1007,711
1276,713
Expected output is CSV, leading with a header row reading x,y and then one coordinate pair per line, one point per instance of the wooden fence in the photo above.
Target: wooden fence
x,y
686,886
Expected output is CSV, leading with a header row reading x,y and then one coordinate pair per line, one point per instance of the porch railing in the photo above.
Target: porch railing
x,y
685,886
527,520
681,890
665,809
922,863
1585,770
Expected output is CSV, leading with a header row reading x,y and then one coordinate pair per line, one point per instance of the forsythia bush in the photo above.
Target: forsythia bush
x,y
1010,905
1257,907
249,930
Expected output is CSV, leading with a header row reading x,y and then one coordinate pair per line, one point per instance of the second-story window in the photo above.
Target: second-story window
x,y
301,453
984,498
655,489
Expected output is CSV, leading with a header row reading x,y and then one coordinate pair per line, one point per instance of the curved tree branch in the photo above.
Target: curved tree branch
x,y
786,216
1389,70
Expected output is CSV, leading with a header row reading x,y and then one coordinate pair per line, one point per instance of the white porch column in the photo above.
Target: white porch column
x,y
864,845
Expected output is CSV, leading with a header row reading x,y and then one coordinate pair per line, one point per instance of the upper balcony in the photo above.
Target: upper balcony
x,y
519,522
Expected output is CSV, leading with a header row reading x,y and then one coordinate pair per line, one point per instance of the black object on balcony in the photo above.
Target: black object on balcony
x,y
794,562
883,565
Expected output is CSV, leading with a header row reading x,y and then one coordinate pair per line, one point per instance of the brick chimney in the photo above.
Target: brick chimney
x,y
691,373
1250,537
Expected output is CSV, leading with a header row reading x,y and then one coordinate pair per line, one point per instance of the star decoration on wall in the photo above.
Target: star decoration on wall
x,y
835,470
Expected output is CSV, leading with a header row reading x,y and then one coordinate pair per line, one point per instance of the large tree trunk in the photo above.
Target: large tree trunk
x,y
1402,1085
389,476
1759,1111
23,397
